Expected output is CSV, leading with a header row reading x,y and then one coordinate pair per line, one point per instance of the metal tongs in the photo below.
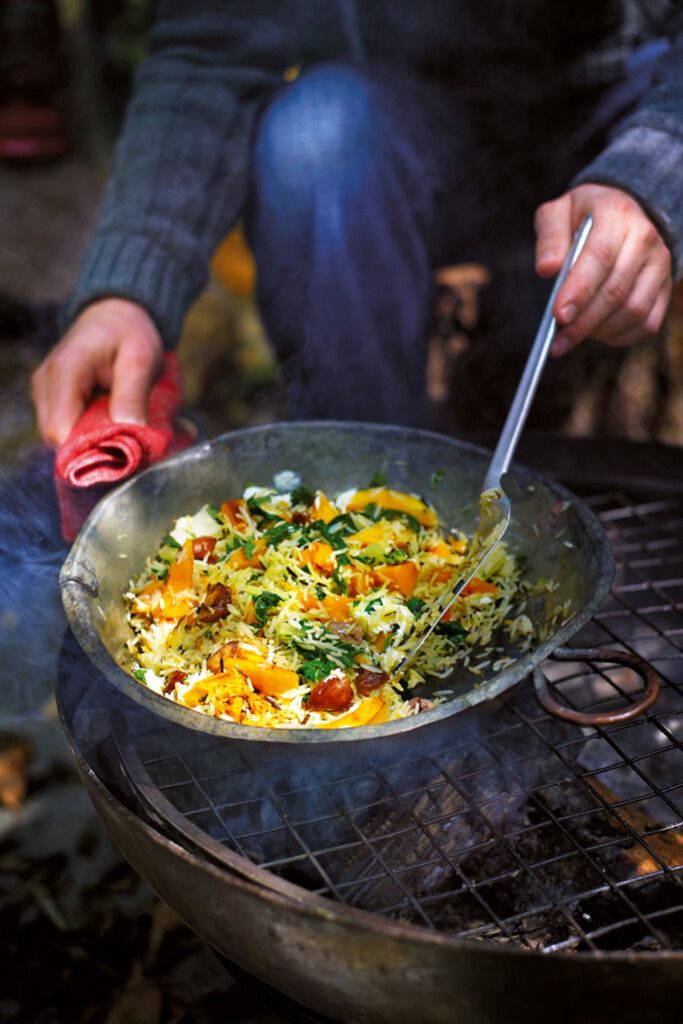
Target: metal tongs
x,y
494,504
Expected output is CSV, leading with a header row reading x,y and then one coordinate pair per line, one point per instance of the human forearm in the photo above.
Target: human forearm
x,y
179,175
645,155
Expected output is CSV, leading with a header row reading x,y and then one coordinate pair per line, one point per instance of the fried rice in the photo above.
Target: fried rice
x,y
285,608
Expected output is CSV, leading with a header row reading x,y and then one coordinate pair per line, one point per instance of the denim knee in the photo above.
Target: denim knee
x,y
316,137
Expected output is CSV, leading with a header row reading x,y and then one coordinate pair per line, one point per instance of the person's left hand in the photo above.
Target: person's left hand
x,y
620,286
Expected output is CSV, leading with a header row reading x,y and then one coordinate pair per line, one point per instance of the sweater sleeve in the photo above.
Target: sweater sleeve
x,y
645,154
180,170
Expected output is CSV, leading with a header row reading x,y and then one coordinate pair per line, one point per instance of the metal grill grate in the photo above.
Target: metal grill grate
x,y
522,829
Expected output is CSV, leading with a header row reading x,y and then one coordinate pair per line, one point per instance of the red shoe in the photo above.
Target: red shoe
x,y
33,82
30,132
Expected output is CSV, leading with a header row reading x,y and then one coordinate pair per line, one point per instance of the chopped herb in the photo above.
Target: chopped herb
x,y
207,634
263,603
378,480
415,604
162,574
341,526
396,557
248,546
214,513
320,591
140,674
323,654
373,603
376,512
170,542
278,532
254,506
453,631
340,583
316,669
437,477
320,528
302,496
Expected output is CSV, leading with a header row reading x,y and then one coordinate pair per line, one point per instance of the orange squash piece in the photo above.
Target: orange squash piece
x,y
320,556
397,500
442,550
479,586
179,581
337,607
307,601
401,577
365,713
442,574
375,534
323,508
238,559
361,583
381,716
269,679
232,510
181,574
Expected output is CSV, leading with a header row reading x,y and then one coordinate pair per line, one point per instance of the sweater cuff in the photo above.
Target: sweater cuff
x,y
119,264
648,164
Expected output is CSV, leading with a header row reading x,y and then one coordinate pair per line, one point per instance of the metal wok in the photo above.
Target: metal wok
x,y
557,535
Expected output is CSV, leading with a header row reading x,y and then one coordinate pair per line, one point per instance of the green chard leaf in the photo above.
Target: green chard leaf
x,y
262,605
255,508
340,583
302,496
376,512
248,547
453,631
277,533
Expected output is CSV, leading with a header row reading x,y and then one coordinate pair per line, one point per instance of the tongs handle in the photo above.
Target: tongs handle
x,y
526,389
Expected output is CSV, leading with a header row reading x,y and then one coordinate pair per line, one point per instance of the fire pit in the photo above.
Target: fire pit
x,y
518,865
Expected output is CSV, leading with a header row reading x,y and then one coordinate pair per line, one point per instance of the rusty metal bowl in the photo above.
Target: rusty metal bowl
x,y
557,535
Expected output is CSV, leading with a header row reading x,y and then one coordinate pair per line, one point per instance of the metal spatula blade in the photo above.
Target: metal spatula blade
x,y
494,504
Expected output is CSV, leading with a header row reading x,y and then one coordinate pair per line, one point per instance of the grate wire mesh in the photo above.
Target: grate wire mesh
x,y
521,829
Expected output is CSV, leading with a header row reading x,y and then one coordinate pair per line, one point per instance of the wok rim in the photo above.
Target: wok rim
x,y
75,587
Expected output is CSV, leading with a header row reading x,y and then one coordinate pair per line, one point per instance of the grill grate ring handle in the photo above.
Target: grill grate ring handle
x,y
588,718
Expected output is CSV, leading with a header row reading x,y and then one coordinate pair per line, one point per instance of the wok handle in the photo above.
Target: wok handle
x,y
630,660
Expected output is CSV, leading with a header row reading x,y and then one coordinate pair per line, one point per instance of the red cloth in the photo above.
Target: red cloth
x,y
99,453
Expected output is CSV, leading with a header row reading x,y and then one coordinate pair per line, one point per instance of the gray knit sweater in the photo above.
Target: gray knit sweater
x,y
180,173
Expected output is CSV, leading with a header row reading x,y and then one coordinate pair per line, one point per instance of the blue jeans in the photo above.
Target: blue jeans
x,y
362,181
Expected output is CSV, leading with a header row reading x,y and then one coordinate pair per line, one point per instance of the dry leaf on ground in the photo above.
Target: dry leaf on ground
x,y
14,761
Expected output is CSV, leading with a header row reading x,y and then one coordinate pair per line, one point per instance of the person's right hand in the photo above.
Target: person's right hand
x,y
114,344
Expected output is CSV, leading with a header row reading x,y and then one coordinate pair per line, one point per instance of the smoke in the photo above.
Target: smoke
x,y
32,622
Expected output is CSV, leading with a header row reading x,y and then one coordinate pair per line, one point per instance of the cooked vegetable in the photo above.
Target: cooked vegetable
x,y
291,609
